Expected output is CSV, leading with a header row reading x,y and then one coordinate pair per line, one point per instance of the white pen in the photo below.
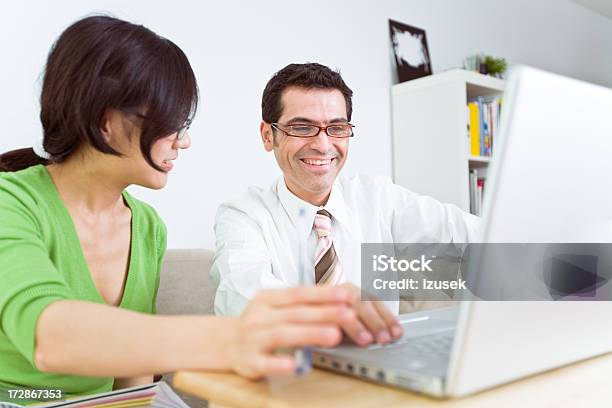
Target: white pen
x,y
302,356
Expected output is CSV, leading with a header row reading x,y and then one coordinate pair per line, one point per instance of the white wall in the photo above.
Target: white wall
x,y
235,47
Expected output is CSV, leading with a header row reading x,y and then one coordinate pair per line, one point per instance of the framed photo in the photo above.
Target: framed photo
x,y
410,51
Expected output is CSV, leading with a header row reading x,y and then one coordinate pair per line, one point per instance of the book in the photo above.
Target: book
x,y
473,186
157,395
477,185
479,195
483,124
474,129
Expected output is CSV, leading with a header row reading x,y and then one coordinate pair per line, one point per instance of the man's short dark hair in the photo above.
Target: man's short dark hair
x,y
308,76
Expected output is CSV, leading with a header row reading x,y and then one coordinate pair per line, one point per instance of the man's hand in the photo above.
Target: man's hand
x,y
375,322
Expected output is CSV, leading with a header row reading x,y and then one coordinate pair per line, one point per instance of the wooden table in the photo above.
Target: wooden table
x,y
583,384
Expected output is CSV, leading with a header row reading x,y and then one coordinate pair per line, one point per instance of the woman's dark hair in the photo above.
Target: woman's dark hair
x,y
308,76
101,62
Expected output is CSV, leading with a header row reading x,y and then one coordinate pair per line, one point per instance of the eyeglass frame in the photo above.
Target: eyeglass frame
x,y
180,134
275,125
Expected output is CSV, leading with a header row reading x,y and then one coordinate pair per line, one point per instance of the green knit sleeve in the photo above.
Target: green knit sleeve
x,y
29,281
161,251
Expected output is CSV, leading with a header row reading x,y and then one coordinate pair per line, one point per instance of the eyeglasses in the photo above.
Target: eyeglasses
x,y
303,130
182,132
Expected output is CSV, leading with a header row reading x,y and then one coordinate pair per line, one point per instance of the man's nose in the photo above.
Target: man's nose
x,y
320,142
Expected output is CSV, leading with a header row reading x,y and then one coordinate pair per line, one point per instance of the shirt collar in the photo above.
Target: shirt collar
x,y
337,207
293,205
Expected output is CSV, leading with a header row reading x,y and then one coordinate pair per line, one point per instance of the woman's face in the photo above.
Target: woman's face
x,y
133,168
163,152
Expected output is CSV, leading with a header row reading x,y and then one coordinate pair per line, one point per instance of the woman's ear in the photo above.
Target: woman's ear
x,y
116,129
108,125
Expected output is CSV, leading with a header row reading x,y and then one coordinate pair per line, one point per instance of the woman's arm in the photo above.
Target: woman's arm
x,y
127,382
82,338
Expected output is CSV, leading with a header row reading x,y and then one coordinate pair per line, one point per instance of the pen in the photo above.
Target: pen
x,y
302,356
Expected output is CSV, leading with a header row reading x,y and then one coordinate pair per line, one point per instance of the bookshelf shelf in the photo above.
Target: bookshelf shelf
x,y
480,159
431,149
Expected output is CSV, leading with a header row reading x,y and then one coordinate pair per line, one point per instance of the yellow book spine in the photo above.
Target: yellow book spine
x,y
474,129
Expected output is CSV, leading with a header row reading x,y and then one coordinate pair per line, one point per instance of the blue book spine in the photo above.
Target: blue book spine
x,y
481,115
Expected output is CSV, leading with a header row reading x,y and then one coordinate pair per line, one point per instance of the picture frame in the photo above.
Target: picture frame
x,y
410,51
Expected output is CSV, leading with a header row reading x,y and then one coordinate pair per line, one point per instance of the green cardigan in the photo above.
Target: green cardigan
x,y
41,262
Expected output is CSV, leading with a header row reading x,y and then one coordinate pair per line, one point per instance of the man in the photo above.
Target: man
x,y
308,226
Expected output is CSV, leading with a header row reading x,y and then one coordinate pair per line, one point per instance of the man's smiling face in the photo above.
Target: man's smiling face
x,y
309,165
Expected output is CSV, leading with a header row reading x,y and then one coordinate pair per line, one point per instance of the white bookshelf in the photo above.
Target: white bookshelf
x,y
431,152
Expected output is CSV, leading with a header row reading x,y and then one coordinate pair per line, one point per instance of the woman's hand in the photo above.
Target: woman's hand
x,y
294,317
374,323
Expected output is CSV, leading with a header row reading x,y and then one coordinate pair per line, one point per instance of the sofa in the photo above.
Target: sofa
x,y
185,286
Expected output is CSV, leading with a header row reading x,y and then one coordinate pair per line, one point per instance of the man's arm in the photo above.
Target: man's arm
x,y
423,219
418,218
242,264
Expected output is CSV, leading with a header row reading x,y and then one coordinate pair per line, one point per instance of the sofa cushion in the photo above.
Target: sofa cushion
x,y
185,286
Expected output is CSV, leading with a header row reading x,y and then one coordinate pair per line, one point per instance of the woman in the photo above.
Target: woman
x,y
80,257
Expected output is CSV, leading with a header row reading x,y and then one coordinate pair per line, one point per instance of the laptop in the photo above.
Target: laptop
x,y
548,183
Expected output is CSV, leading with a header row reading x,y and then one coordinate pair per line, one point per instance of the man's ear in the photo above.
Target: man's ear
x,y
267,136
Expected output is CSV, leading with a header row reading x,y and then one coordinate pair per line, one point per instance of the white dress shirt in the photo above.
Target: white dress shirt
x,y
265,239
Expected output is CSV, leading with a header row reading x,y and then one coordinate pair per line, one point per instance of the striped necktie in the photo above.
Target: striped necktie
x,y
327,266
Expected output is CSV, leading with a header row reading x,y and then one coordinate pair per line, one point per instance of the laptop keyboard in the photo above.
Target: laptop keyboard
x,y
435,344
